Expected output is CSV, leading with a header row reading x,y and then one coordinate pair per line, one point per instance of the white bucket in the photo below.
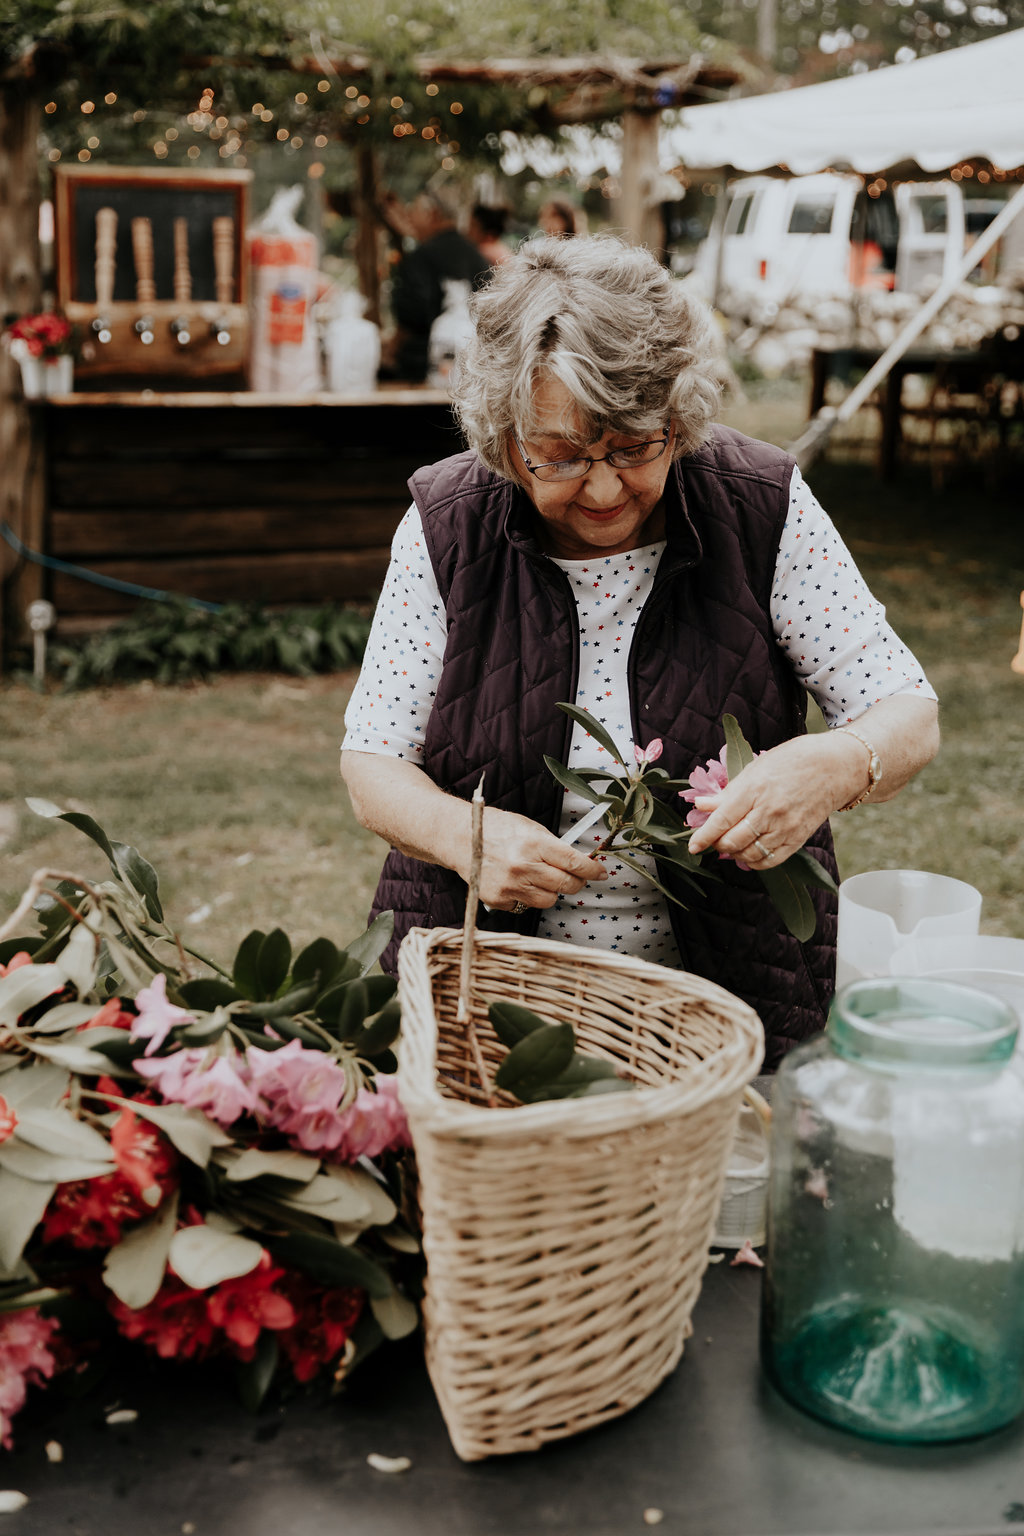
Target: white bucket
x,y
985,961
885,908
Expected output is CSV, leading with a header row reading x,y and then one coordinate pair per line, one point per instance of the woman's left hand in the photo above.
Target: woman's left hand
x,y
770,810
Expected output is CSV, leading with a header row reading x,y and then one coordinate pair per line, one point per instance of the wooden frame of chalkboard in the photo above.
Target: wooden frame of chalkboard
x,y
151,328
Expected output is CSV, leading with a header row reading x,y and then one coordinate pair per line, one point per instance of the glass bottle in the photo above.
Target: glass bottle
x,y
894,1284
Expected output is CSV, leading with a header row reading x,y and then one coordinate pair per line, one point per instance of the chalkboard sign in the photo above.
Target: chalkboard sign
x,y
161,196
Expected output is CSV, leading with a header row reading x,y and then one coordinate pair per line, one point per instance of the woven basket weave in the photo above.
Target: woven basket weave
x,y
565,1241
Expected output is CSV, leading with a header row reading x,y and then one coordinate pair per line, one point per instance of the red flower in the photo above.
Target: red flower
x,y
90,1213
245,1306
8,1120
323,1322
176,1322
112,1015
45,335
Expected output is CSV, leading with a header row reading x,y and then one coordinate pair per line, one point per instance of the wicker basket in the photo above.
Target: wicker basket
x,y
566,1240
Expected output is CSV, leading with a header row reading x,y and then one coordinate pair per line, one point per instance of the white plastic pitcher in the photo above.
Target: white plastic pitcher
x,y
985,961
885,908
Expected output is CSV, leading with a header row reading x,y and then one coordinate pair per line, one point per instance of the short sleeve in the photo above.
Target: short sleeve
x,y
825,618
394,693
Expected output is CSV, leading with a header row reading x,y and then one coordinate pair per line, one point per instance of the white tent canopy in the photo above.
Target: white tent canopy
x,y
962,104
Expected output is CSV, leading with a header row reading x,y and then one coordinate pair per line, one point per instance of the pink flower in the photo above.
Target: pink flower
x,y
648,754
708,781
296,1084
157,1017
16,962
747,1255
25,1359
218,1088
8,1120
374,1123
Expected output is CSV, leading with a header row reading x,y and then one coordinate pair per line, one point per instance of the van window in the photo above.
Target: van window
x,y
812,215
933,213
739,213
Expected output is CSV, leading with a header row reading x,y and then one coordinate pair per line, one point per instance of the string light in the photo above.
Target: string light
x,y
110,98
54,155
432,89
88,106
396,102
321,140
352,91
84,154
297,142
172,133
301,98
51,107
282,134
323,85
316,170
456,107
193,152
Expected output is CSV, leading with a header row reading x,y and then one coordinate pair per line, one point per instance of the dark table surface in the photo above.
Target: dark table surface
x,y
714,1449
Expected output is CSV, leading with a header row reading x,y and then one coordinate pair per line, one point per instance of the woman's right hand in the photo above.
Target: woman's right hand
x,y
523,862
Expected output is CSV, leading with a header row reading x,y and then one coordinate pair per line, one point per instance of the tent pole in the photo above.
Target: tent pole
x,y
818,431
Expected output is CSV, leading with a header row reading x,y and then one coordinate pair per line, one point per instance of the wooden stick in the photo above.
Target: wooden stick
x,y
182,270
106,256
1017,664
142,250
463,1014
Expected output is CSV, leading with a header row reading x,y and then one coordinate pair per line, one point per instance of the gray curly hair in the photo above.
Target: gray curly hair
x,y
633,349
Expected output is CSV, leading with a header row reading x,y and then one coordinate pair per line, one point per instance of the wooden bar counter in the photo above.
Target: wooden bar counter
x,y
275,499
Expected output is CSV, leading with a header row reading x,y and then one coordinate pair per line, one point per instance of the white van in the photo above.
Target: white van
x,y
828,234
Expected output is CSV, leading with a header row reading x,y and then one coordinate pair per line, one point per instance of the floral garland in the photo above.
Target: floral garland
x,y
212,1164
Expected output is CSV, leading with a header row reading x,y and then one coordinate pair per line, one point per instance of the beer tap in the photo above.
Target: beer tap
x,y
106,248
181,325
145,287
224,274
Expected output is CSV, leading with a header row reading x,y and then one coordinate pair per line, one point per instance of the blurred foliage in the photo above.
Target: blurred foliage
x,y
837,37
174,642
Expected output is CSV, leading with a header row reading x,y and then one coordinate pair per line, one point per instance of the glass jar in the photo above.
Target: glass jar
x,y
894,1283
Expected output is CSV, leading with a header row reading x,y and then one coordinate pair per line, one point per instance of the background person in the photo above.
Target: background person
x,y
417,284
601,541
561,218
486,228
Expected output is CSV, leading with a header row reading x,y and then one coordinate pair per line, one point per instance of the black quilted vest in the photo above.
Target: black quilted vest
x,y
703,646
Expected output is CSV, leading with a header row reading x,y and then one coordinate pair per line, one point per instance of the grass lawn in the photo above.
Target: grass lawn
x,y
232,791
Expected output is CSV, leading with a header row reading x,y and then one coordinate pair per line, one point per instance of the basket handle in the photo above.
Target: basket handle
x,y
463,1012
759,1105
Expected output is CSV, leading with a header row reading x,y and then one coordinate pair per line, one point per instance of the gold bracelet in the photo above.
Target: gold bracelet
x,y
874,767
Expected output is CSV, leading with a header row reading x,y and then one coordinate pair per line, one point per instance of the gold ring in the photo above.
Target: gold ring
x,y
519,909
766,853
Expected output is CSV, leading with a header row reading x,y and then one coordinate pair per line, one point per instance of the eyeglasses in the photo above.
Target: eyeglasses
x,y
633,457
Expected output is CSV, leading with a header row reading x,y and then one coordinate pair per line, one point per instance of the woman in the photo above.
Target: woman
x,y
602,542
561,219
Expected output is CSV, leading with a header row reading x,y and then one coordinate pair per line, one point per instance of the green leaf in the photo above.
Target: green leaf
x,y
593,728
244,969
738,750
542,1056
369,946
396,1314
204,1255
600,1085
57,1131
205,1031
295,1001
24,988
512,1022
134,1269
208,993
381,1031
332,1200
35,1084
11,947
330,1262
140,874
804,865
571,781
28,1162
23,1202
194,1135
254,1376
272,962
643,807
639,869
65,1017
77,819
791,900
581,1071
256,1164
319,961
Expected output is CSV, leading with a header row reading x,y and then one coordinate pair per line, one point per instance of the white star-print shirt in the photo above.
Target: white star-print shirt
x,y
825,619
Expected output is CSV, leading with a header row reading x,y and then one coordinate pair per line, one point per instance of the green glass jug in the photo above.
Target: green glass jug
x,y
893,1302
